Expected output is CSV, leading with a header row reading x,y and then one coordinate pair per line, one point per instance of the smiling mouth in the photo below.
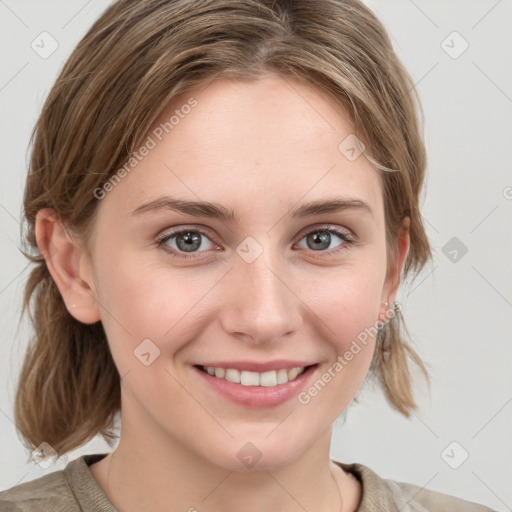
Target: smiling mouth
x,y
271,378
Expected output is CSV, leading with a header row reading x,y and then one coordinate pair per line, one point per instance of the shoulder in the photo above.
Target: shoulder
x,y
49,492
72,489
388,495
415,498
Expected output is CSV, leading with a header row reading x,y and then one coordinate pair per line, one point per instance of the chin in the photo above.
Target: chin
x,y
257,453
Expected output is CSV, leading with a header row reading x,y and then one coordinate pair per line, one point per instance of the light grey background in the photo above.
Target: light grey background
x,y
459,312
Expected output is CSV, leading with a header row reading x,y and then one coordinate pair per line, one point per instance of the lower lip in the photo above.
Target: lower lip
x,y
258,397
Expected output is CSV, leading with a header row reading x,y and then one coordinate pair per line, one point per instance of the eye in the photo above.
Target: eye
x,y
320,239
185,241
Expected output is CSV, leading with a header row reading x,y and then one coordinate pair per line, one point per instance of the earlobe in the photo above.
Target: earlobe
x,y
64,258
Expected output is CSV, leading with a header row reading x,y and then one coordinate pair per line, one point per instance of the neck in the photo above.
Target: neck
x,y
140,479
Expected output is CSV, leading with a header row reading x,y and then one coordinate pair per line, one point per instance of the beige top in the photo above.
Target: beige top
x,y
74,489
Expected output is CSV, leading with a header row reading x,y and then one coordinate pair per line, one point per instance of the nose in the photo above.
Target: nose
x,y
260,305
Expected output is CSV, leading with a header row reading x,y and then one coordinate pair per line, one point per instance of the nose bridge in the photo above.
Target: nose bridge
x,y
261,304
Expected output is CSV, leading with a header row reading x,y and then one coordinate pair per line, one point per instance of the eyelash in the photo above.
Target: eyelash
x,y
162,240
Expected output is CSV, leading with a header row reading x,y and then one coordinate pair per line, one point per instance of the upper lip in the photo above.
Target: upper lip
x,y
254,366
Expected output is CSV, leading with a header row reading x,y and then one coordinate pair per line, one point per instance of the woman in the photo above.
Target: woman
x,y
188,161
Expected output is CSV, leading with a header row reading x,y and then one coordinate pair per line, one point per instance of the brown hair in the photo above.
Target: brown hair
x,y
133,61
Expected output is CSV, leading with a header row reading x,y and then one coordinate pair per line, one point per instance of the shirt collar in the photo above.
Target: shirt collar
x,y
376,495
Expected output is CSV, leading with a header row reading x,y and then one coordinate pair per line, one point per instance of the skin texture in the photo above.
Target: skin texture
x,y
263,149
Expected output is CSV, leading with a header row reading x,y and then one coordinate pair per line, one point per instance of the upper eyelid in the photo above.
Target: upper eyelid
x,y
322,227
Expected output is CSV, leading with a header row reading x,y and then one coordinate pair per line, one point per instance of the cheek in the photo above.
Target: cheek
x,y
347,304
146,302
347,301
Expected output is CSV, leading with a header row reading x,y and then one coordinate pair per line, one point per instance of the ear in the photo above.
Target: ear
x,y
393,278
69,265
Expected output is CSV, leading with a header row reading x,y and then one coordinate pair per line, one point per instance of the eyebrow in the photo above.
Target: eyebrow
x,y
217,211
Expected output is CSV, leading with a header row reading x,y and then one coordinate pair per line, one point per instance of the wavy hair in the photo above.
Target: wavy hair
x,y
128,67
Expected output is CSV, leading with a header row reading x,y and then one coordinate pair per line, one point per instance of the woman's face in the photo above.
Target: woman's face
x,y
256,289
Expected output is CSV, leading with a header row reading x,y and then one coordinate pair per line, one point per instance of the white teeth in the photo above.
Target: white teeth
x,y
282,376
249,378
233,375
268,379
293,373
246,378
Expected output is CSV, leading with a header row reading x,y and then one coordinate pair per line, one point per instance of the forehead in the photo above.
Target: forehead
x,y
252,146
